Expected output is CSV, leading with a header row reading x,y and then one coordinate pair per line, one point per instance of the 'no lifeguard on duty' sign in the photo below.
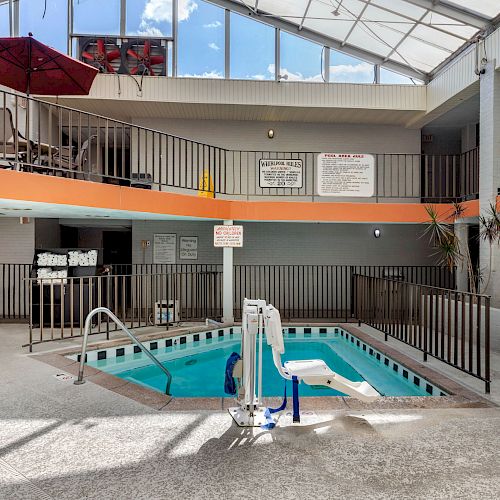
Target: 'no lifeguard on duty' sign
x,y
228,236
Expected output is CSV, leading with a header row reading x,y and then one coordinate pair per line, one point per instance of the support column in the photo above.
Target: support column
x,y
227,282
489,172
462,233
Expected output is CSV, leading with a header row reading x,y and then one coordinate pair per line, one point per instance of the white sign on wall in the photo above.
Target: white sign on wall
x,y
228,236
164,248
188,247
346,174
280,173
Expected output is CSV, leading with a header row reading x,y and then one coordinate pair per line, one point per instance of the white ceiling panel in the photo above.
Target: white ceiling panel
x,y
417,34
490,8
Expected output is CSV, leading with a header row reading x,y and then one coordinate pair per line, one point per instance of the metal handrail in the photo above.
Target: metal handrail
x,y
134,339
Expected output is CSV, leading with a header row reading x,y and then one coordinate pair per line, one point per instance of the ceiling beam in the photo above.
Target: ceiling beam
x,y
305,14
454,12
319,38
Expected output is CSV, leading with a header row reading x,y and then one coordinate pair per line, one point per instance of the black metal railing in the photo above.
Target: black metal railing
x,y
299,291
43,137
321,291
58,307
14,298
450,177
162,268
449,325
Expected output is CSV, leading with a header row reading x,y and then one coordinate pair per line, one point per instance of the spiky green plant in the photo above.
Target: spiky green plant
x,y
443,238
489,231
448,248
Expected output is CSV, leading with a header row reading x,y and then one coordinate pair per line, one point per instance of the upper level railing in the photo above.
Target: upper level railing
x,y
49,138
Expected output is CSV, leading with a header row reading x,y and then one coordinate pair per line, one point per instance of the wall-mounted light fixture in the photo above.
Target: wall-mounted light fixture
x,y
376,233
270,133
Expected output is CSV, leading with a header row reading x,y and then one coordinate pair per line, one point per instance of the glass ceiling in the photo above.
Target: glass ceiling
x,y
416,34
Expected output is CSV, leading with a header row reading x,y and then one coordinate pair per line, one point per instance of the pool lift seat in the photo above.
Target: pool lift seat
x,y
311,371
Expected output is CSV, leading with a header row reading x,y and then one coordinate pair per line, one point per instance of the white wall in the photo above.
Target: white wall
x,y
17,241
300,137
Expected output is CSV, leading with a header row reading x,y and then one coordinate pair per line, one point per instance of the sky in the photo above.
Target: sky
x,y
201,39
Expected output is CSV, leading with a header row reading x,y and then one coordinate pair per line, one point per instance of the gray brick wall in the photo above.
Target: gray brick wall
x,y
297,243
17,241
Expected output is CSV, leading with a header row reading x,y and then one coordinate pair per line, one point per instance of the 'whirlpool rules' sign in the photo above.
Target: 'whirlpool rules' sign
x,y
280,173
228,236
346,174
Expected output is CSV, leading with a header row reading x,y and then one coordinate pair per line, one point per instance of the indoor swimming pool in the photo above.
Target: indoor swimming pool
x,y
197,363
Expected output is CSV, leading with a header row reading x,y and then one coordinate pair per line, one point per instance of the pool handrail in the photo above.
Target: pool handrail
x,y
88,324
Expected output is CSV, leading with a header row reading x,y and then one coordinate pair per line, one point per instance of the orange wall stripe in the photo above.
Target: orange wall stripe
x,y
61,191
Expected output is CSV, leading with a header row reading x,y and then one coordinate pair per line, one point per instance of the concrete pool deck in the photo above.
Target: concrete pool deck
x,y
58,440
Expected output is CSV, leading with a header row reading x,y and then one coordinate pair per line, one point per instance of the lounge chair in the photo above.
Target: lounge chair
x,y
13,145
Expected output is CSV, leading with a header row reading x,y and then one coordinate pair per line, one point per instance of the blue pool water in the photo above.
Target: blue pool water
x,y
198,367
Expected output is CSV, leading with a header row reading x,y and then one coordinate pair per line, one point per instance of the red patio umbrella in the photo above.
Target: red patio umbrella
x,y
32,67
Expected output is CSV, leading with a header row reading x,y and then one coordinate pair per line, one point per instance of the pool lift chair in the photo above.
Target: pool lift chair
x,y
257,314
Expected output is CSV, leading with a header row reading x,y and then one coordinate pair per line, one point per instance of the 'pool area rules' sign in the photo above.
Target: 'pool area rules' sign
x,y
346,174
280,173
228,236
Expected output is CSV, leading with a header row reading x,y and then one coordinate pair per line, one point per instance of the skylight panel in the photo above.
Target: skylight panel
x,y
420,55
451,26
291,10
321,19
400,7
365,39
434,38
489,8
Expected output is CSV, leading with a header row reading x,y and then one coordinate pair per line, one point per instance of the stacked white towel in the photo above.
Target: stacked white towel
x,y
82,258
52,259
48,275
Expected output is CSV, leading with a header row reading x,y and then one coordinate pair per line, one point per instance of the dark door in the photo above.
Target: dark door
x,y
117,247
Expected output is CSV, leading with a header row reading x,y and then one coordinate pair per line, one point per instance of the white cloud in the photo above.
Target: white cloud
x,y
349,73
147,30
157,11
259,77
207,74
215,24
213,46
